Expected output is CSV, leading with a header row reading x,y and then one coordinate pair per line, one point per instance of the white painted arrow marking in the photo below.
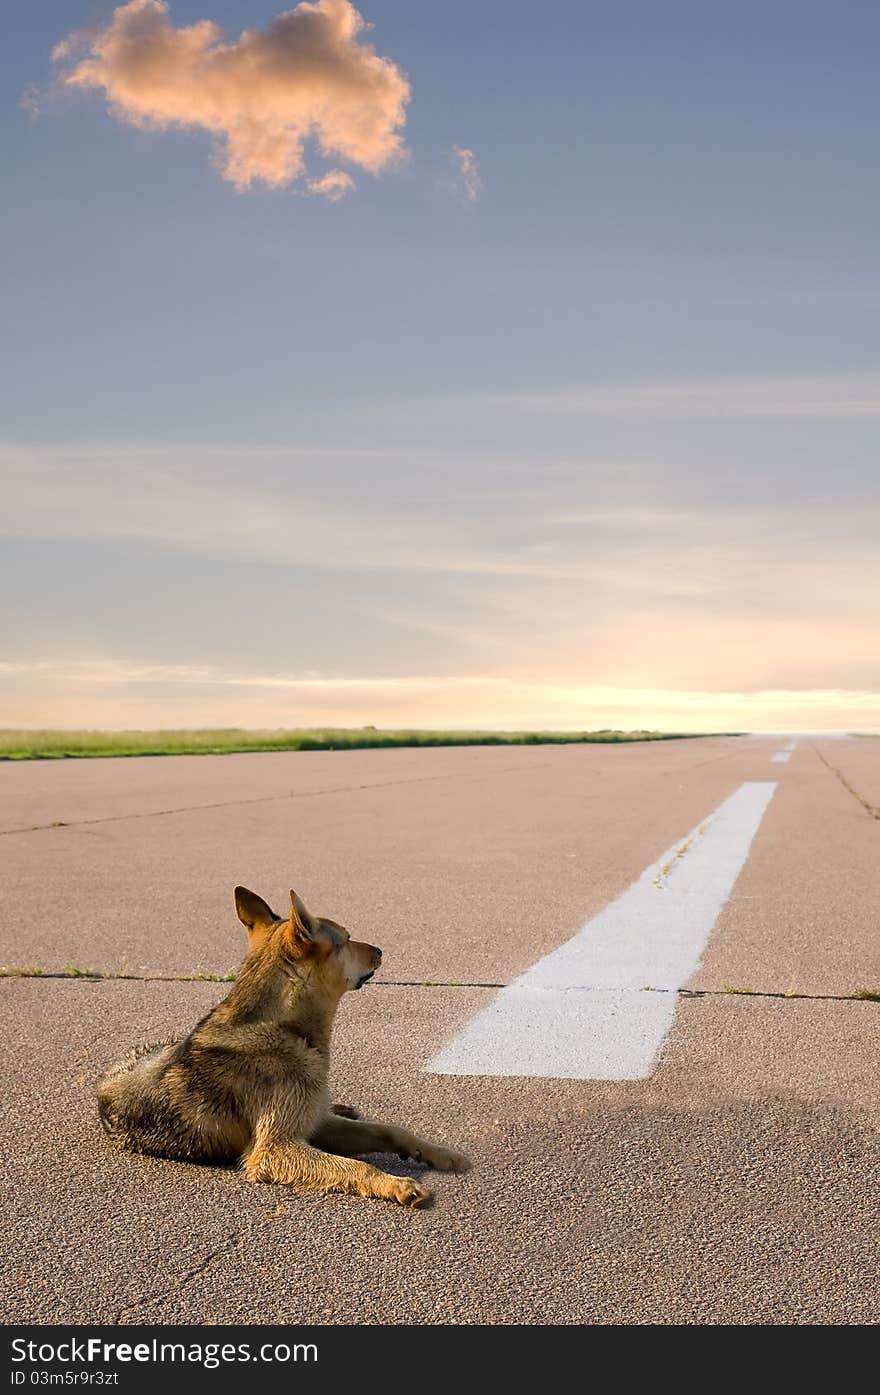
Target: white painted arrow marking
x,y
581,1012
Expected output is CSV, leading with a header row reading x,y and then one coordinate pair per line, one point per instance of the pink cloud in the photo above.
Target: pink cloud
x,y
306,75
468,172
334,185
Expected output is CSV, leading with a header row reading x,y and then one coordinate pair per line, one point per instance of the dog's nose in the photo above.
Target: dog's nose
x,y
378,954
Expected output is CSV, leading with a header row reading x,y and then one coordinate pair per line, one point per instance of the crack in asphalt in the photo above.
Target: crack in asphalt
x,y
260,799
101,976
860,995
872,809
301,794
148,1300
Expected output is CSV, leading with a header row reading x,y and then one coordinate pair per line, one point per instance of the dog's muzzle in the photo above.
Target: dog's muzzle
x,y
364,978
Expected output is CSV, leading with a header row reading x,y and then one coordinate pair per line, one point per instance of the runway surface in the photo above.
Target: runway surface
x,y
625,979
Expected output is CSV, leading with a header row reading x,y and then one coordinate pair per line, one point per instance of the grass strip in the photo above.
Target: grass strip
x,y
68,745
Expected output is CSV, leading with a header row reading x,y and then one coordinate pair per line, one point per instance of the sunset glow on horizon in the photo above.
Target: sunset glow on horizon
x,y
118,696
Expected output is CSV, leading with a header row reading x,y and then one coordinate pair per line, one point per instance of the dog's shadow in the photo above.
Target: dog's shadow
x,y
388,1162
397,1167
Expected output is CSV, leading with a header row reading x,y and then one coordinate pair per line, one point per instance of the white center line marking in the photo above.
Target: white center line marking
x,y
581,1013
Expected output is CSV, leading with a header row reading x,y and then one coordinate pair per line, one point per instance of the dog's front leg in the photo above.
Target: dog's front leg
x,y
298,1164
342,1135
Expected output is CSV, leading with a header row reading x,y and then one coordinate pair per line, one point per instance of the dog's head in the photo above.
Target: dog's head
x,y
334,959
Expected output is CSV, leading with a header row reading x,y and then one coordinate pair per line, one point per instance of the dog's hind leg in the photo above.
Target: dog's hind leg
x,y
345,1111
344,1135
297,1164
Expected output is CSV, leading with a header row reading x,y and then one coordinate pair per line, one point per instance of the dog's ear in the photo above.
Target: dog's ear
x,y
302,926
256,917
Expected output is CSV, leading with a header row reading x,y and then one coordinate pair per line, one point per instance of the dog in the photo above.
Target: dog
x,y
250,1083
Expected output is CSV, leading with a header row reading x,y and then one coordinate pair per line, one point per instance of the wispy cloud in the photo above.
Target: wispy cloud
x,y
845,397
251,502
469,179
780,595
121,692
114,671
309,73
334,185
30,101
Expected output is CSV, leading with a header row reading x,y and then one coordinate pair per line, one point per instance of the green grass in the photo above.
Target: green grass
x,y
62,745
74,971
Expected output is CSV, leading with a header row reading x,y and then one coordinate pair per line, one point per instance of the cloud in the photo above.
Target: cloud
x,y
306,75
334,185
830,397
468,173
120,692
30,101
405,563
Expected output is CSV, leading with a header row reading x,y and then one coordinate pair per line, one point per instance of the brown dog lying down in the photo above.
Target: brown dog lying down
x,y
249,1083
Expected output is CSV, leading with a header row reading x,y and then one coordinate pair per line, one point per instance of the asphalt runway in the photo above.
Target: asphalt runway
x,y
731,1177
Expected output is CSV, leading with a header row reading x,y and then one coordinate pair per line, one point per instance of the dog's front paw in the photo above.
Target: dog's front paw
x,y
408,1192
444,1159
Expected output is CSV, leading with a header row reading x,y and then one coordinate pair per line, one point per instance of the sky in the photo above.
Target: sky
x,y
462,365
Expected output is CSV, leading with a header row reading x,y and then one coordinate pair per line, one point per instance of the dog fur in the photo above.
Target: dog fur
x,y
250,1082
